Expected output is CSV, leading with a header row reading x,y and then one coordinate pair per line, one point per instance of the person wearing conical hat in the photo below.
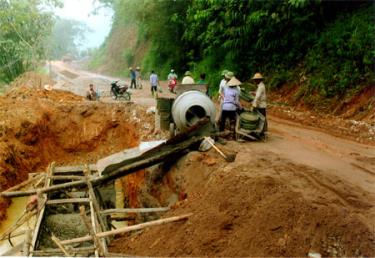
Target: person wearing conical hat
x,y
260,100
188,79
230,103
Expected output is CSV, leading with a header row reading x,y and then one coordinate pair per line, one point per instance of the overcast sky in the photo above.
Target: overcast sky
x,y
99,23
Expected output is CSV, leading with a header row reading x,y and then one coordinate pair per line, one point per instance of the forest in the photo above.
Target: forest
x,y
325,46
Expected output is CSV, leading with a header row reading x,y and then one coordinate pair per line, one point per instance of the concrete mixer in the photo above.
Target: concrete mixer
x,y
185,110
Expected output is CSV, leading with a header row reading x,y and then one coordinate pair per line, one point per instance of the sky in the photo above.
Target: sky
x,y
99,23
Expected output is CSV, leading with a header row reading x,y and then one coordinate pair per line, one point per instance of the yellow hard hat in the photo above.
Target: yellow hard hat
x,y
258,76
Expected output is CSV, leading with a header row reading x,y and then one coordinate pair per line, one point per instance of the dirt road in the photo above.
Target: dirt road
x,y
304,189
346,159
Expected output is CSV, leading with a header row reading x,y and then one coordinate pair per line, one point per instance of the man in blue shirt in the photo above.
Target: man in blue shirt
x,y
154,81
132,77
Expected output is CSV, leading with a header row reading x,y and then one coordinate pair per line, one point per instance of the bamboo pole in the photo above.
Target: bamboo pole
x,y
91,229
69,200
19,223
60,245
24,183
95,208
128,229
134,210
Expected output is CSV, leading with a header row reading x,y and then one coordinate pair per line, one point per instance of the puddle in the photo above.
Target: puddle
x,y
14,212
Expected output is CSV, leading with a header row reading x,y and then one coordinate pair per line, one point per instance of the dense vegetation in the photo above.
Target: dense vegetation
x,y
30,34
327,46
24,27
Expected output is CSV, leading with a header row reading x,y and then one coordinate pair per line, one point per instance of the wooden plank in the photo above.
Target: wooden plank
x,y
27,243
68,200
58,252
127,229
95,208
70,177
134,210
148,159
70,169
41,206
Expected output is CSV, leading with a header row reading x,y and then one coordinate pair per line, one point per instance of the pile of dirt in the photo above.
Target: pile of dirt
x,y
39,126
261,205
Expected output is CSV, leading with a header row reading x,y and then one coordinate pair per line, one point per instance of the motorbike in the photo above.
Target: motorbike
x,y
172,84
120,91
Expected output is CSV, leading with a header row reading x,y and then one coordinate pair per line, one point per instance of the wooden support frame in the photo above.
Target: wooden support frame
x,y
92,230
128,229
134,210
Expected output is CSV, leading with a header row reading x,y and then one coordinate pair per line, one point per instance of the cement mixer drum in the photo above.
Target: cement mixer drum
x,y
191,106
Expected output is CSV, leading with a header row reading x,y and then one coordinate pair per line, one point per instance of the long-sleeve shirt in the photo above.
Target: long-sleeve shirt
x,y
154,79
223,82
231,99
260,99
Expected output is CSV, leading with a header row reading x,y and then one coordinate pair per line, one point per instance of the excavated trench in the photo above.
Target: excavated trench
x,y
39,127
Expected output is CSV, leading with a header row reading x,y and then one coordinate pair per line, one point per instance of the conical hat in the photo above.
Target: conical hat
x,y
234,82
48,87
257,76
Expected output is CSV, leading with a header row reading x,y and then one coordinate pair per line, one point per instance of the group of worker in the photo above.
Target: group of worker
x,y
229,96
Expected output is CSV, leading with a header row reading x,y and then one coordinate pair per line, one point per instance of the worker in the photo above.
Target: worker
x,y
223,82
154,82
188,79
138,77
260,101
172,75
230,103
172,81
133,78
91,94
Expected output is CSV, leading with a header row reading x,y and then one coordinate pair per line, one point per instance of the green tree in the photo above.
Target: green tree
x,y
67,35
24,26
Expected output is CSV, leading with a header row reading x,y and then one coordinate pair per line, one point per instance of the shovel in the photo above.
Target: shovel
x,y
228,157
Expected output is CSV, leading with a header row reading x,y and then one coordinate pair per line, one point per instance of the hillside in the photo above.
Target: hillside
x,y
326,65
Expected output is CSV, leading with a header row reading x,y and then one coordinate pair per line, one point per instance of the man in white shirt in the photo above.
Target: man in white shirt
x,y
260,100
223,82
188,79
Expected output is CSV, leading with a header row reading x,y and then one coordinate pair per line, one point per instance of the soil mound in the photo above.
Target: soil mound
x,y
261,205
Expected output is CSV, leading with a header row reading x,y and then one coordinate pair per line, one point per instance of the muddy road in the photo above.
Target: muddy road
x,y
305,189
